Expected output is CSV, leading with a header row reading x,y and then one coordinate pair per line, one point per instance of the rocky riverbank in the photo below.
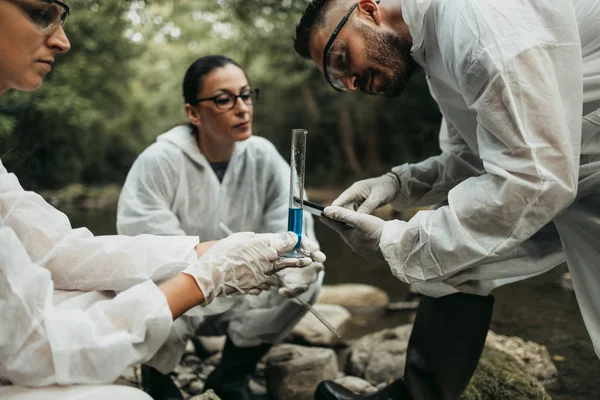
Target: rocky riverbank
x,y
510,368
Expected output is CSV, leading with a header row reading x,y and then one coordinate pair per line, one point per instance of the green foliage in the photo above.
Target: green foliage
x,y
64,127
120,86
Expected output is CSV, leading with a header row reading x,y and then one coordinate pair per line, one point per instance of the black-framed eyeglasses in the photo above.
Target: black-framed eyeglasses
x,y
338,58
46,14
228,100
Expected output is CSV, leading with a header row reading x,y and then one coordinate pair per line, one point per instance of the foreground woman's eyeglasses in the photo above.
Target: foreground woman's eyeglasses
x,y
46,14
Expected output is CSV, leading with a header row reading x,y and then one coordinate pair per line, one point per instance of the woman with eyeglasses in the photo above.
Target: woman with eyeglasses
x,y
209,172
76,309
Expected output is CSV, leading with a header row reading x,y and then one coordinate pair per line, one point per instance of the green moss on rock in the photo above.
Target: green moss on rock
x,y
500,377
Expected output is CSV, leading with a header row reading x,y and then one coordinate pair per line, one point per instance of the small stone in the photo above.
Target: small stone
x,y
566,282
356,298
257,388
206,371
195,387
212,344
190,360
189,348
185,379
208,395
356,385
180,369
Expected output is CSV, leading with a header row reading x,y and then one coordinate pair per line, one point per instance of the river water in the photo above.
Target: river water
x,y
537,309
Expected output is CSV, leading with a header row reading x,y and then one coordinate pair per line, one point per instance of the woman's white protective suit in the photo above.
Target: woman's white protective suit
x,y
171,189
54,333
519,176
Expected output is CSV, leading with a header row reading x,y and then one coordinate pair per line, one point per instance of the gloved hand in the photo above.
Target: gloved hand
x,y
361,232
243,263
295,281
367,195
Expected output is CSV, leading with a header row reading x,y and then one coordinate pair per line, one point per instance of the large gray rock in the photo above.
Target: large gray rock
x,y
356,298
379,357
509,369
534,358
293,372
311,330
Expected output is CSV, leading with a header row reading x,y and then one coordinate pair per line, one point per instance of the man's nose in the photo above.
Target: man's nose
x,y
351,83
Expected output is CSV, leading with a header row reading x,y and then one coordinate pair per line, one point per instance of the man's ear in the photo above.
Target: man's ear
x,y
370,10
193,115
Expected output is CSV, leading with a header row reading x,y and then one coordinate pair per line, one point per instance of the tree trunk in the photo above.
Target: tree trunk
x,y
347,139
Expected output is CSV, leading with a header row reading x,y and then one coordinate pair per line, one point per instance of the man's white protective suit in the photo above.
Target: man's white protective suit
x,y
518,177
171,189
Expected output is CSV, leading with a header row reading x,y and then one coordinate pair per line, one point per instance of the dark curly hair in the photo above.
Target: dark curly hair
x,y
311,17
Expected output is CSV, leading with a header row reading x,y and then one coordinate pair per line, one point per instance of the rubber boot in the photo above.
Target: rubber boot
x,y
444,348
159,386
231,377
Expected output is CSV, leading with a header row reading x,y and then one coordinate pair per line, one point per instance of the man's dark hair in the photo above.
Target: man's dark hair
x,y
311,17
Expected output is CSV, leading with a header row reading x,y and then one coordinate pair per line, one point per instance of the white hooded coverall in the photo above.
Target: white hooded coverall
x,y
171,189
56,326
519,173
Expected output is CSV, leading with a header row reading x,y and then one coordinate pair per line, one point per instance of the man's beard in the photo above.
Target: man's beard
x,y
392,54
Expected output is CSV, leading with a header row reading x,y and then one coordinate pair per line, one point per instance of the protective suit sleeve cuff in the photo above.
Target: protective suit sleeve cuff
x,y
207,278
390,246
402,173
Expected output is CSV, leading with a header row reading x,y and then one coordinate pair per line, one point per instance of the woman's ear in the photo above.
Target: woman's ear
x,y
370,10
193,115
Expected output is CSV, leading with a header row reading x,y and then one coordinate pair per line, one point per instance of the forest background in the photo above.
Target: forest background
x,y
120,86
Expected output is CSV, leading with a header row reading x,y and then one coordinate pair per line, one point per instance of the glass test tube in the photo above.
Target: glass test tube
x,y
297,187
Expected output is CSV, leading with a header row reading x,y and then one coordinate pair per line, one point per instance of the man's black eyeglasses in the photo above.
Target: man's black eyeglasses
x,y
337,85
228,100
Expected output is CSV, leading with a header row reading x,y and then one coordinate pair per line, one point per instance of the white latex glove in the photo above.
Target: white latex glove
x,y
367,195
361,232
243,263
295,281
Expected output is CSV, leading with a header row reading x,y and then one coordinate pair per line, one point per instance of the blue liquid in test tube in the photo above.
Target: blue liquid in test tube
x,y
295,224
297,188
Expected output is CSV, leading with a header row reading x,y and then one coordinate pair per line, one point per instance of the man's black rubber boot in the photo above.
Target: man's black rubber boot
x,y
159,386
231,377
444,348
